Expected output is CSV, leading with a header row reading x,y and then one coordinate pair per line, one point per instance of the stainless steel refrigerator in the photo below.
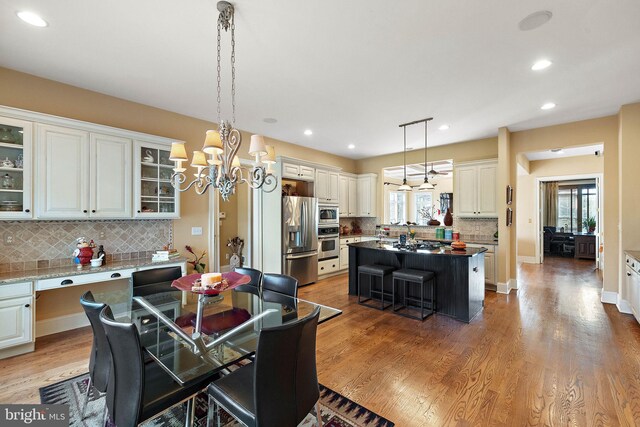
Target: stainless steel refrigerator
x,y
300,238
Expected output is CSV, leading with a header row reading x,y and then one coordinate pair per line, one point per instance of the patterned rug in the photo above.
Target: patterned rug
x,y
337,410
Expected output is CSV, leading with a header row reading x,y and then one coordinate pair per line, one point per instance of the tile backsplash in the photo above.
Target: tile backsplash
x,y
368,225
470,229
44,244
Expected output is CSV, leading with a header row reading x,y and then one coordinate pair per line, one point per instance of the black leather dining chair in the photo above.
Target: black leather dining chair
x,y
256,279
154,280
280,387
100,359
138,391
280,283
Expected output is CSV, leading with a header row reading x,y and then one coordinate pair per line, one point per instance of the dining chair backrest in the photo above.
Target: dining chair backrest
x,y
280,283
155,275
126,383
256,275
100,359
285,376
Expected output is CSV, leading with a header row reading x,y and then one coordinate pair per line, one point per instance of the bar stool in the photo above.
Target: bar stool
x,y
424,279
372,272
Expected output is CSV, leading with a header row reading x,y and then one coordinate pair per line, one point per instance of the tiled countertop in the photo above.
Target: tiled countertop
x,y
49,273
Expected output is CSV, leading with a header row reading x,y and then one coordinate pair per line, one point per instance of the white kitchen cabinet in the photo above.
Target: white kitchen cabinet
x,y
16,146
326,186
343,199
297,171
344,257
62,159
353,196
16,315
154,195
328,266
366,195
110,170
489,268
475,190
348,195
82,175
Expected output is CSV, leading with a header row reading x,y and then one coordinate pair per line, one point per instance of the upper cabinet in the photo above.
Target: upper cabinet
x,y
367,186
475,189
15,168
296,171
155,197
327,186
82,175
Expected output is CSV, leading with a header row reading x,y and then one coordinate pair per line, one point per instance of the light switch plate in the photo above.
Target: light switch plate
x,y
223,215
196,231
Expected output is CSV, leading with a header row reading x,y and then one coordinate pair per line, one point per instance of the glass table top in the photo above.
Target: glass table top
x,y
228,331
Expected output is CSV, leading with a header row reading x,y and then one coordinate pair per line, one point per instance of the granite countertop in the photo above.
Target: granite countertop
x,y
438,252
633,254
395,239
73,270
346,236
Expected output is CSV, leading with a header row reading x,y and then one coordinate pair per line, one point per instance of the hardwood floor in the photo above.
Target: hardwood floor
x,y
550,354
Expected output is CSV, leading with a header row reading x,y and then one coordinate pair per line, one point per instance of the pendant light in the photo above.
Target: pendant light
x,y
426,185
405,186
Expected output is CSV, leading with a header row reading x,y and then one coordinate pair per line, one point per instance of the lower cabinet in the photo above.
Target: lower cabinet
x,y
16,315
344,257
328,266
490,265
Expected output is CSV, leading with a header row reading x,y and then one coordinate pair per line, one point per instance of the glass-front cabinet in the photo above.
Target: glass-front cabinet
x,y
15,168
155,197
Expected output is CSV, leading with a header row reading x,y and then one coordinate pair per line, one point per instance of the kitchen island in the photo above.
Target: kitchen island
x,y
459,274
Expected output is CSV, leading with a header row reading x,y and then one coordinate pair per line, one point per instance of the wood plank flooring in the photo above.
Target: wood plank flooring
x,y
549,355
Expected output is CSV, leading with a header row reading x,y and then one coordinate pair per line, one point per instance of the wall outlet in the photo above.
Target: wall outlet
x,y
223,215
226,256
102,234
8,238
196,231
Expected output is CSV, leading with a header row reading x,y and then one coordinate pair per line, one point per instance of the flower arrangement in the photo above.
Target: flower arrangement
x,y
197,263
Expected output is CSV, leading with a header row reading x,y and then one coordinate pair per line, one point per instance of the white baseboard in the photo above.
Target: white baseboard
x,y
61,324
528,259
609,297
623,305
513,284
502,288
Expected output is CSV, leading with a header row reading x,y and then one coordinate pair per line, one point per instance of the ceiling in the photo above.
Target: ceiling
x,y
587,150
351,71
415,172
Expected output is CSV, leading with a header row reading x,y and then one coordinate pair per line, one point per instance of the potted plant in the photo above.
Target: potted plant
x,y
589,224
197,263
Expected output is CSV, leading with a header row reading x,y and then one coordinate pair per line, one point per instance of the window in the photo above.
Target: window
x,y
422,200
397,207
576,203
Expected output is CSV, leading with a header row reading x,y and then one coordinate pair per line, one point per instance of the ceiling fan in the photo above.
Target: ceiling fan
x,y
433,173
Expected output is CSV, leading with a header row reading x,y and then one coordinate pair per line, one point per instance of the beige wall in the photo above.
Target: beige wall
x,y
628,196
587,132
527,220
480,149
28,92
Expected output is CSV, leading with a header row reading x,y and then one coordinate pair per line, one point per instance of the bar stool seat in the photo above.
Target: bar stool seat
x,y
373,271
426,280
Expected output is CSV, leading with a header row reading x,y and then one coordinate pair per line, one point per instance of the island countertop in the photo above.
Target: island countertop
x,y
468,252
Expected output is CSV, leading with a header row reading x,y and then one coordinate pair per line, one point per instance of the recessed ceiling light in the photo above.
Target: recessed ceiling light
x,y
541,65
32,18
270,120
557,150
351,146
444,127
548,106
535,20
308,132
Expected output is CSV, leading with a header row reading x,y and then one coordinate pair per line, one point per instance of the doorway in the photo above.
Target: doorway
x,y
570,219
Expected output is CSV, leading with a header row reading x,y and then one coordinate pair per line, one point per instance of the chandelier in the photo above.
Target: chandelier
x,y
222,169
426,185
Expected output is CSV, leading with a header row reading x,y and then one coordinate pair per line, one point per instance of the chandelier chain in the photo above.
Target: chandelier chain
x,y
218,70
233,71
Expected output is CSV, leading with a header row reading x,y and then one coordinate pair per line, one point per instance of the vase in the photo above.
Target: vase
x,y
448,218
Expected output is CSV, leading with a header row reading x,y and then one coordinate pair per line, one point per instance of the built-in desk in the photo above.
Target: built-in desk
x,y
19,291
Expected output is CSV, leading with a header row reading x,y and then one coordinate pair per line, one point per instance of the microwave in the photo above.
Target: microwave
x,y
328,214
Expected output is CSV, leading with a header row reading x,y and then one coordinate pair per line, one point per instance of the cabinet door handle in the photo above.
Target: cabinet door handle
x,y
138,211
628,274
93,211
84,211
475,269
321,268
114,275
27,305
66,282
27,210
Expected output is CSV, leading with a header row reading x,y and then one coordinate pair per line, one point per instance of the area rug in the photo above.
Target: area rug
x,y
336,410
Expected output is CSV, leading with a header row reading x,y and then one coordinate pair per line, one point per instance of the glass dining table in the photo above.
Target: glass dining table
x,y
226,331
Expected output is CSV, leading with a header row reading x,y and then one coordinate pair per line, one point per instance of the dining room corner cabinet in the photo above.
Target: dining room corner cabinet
x,y
82,170
476,189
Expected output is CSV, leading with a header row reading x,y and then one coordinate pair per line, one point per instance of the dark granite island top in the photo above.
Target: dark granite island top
x,y
459,274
